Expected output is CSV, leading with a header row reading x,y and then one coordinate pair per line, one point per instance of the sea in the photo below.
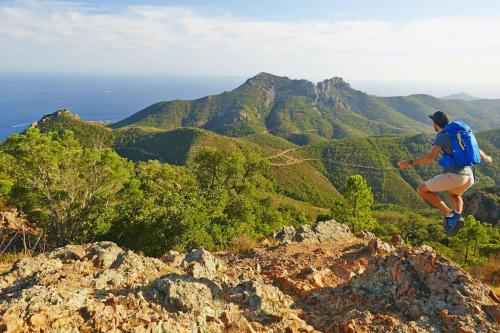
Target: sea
x,y
25,98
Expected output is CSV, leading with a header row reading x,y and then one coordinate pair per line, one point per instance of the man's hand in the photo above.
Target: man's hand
x,y
488,159
403,164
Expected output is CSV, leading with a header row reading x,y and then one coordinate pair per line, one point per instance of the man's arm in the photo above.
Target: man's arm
x,y
488,159
429,158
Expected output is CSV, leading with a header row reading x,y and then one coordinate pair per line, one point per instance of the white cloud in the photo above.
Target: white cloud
x,y
50,36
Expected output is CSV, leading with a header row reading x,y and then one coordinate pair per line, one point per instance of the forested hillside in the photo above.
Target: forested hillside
x,y
313,173
375,158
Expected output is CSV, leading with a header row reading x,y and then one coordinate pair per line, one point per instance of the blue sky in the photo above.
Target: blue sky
x,y
392,10
425,41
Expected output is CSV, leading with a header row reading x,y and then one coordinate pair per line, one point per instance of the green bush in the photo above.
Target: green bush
x,y
66,189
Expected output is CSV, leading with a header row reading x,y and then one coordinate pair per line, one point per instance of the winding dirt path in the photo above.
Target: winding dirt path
x,y
281,153
291,160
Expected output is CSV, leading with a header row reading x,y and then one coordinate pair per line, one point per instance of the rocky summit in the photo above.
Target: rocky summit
x,y
318,279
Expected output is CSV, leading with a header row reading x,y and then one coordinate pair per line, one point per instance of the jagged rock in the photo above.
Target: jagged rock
x,y
265,301
484,205
285,235
234,322
38,321
365,234
186,293
324,230
69,252
305,233
419,286
396,240
378,246
172,257
201,263
11,323
314,276
331,230
103,254
128,266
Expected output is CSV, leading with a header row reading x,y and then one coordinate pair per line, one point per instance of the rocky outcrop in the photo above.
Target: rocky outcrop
x,y
484,205
321,231
201,264
327,91
419,286
59,113
325,279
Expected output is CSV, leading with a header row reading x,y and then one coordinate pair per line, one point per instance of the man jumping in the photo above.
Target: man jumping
x,y
456,178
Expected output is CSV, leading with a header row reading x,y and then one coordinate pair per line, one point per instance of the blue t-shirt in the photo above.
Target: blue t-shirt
x,y
443,141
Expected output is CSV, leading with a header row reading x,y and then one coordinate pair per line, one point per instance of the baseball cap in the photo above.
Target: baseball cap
x,y
440,118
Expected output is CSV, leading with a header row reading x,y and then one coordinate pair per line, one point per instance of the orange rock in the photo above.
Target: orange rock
x,y
234,322
11,324
378,246
443,313
494,296
462,329
38,320
349,327
152,327
145,318
396,239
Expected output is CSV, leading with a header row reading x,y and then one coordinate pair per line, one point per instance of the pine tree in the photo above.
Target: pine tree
x,y
473,234
355,210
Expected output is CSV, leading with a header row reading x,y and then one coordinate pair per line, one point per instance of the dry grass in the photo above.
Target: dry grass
x,y
311,211
7,259
242,243
488,273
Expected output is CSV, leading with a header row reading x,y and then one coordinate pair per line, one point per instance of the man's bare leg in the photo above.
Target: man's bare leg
x,y
457,202
433,199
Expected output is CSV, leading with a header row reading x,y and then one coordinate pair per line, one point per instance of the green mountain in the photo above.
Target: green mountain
x,y
480,114
463,96
304,112
91,134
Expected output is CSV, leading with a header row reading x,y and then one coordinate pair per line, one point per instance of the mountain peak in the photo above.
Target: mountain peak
x,y
60,113
462,96
265,77
336,81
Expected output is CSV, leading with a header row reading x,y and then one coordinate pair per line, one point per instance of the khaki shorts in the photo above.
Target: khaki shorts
x,y
451,182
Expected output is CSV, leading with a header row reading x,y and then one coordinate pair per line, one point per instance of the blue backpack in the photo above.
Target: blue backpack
x,y
464,144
